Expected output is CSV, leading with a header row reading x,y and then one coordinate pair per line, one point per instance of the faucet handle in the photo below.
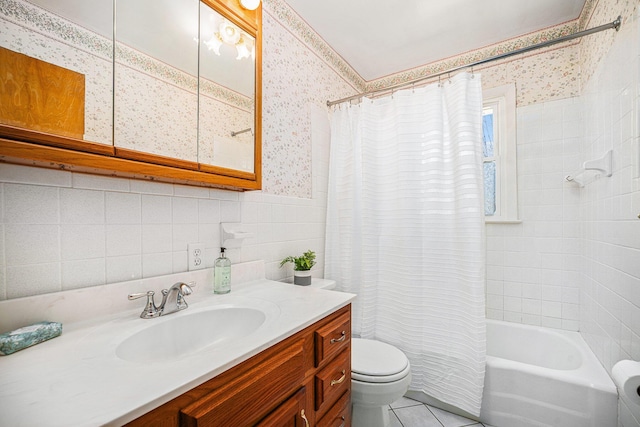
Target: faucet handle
x,y
183,290
150,311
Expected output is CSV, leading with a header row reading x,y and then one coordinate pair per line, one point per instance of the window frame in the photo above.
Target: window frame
x,y
503,101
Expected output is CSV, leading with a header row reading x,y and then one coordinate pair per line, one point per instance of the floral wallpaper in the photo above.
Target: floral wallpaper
x,y
595,47
294,77
216,145
141,119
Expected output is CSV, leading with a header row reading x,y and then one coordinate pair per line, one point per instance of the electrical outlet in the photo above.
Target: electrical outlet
x,y
196,256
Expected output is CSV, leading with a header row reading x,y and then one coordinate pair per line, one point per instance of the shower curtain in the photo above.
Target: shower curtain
x,y
405,230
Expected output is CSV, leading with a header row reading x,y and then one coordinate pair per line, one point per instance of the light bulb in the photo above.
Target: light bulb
x,y
250,4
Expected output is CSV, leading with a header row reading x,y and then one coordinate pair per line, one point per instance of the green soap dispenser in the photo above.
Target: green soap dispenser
x,y
222,274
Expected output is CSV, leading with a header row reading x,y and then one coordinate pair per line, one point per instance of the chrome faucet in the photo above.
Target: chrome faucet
x,y
172,300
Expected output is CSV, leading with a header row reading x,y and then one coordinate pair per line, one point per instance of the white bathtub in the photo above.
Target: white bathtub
x,y
540,377
544,377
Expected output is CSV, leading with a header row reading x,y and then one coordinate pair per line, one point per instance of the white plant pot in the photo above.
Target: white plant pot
x,y
302,278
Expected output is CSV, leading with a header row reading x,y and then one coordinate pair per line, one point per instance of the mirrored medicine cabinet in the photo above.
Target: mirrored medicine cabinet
x,y
168,90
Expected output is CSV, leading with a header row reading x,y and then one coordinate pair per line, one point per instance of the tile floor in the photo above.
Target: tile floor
x,y
406,412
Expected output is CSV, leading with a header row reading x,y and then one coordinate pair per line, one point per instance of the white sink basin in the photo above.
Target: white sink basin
x,y
186,333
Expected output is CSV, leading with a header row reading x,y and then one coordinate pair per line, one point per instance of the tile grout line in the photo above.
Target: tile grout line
x,y
397,417
470,423
434,415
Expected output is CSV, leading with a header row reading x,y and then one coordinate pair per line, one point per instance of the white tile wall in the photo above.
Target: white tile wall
x,y
62,230
609,310
532,265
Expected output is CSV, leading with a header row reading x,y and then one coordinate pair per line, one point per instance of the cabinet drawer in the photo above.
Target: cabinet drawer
x,y
339,415
332,381
332,338
250,396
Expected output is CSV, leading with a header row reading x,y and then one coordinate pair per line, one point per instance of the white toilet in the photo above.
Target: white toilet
x,y
380,375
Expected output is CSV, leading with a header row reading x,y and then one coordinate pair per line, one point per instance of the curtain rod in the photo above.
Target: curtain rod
x,y
612,25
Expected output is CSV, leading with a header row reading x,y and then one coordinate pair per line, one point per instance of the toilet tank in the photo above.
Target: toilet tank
x,y
323,283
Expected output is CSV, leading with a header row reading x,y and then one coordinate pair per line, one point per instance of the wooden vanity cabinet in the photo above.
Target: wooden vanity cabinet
x,y
289,414
304,380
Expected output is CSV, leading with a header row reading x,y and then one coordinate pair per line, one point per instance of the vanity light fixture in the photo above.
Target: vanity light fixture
x,y
229,33
250,4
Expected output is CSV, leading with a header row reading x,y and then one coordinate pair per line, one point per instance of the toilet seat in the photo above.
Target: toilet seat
x,y
377,362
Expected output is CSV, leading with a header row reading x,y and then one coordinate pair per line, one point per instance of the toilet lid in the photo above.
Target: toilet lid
x,y
375,361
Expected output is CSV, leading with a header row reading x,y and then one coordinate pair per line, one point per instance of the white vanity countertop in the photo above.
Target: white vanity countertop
x,y
78,380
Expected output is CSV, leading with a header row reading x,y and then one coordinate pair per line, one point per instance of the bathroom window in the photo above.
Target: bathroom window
x,y
499,151
488,153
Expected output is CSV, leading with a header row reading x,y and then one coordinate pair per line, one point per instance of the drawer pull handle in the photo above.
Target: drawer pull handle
x,y
342,418
342,338
340,380
304,417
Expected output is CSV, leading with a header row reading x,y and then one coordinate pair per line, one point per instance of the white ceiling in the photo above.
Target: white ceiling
x,y
382,37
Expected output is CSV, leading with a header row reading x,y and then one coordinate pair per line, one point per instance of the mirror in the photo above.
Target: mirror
x,y
227,93
156,78
165,93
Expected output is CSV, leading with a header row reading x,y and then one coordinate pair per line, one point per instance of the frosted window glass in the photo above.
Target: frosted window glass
x,y
489,188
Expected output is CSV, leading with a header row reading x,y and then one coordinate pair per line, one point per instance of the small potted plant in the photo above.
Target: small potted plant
x,y
301,267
